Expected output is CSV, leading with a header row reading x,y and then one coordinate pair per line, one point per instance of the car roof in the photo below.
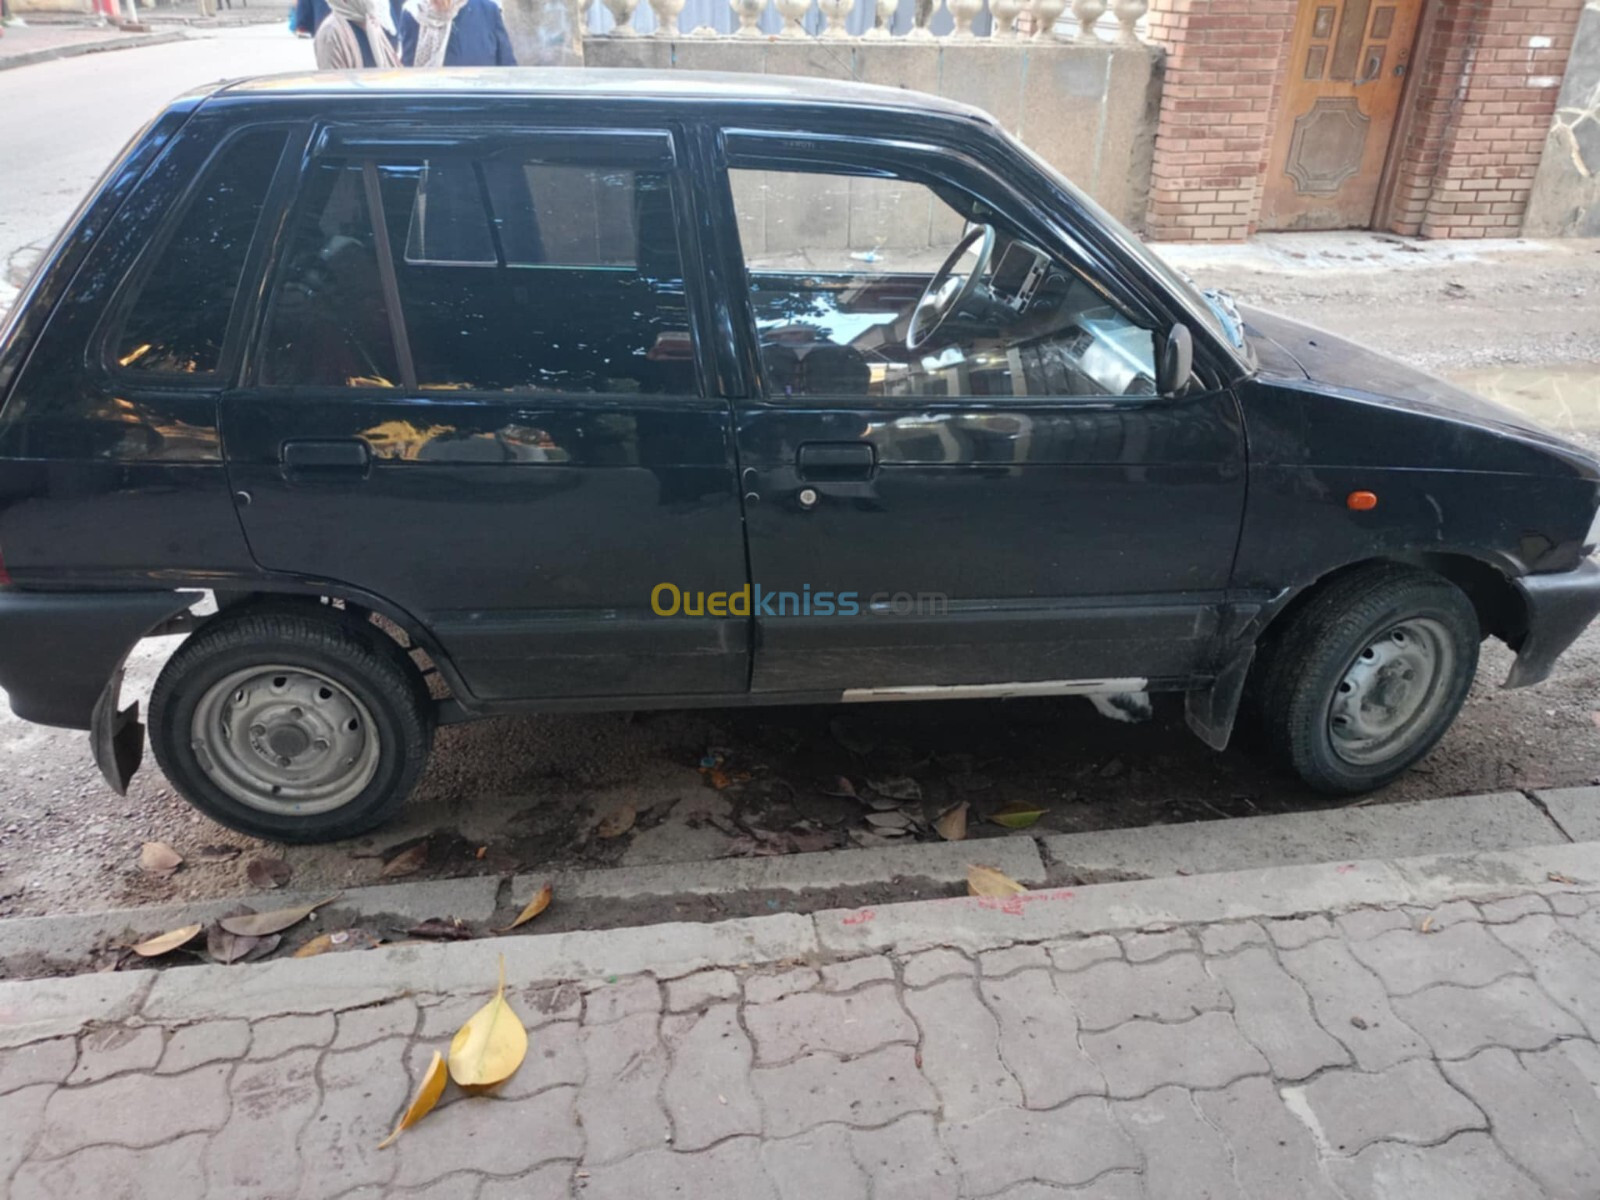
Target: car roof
x,y
602,83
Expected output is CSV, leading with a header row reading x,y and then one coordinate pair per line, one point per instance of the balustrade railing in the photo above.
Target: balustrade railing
x,y
877,20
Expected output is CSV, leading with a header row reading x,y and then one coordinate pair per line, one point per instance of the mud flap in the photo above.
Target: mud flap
x,y
1210,712
116,737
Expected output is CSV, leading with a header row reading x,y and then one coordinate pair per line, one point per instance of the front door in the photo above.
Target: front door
x,y
1347,66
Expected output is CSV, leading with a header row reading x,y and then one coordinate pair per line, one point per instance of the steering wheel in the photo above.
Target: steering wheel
x,y
946,291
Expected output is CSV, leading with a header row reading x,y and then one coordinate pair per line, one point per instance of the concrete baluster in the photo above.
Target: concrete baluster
x,y
837,12
882,18
1128,13
749,14
964,12
667,17
793,13
622,13
1005,13
1045,13
1088,12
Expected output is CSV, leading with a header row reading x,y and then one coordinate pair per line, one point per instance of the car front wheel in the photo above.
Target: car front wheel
x,y
1367,677
295,727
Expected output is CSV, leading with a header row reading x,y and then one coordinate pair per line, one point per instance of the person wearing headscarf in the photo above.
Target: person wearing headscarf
x,y
454,33
355,34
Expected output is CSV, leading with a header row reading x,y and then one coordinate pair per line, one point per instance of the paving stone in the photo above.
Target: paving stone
x,y
1509,1012
1546,1120
1171,989
542,1003
1366,923
134,1111
1145,947
1274,1155
1140,1056
625,998
555,1057
1074,954
1347,1111
1568,904
817,1165
553,1181
1065,1147
161,1172
1566,969
731,1171
1039,1039
49,1061
110,1051
625,1063
843,976
707,1091
359,1027
961,1050
873,1089
1465,954
1443,916
931,965
1185,1157
21,1115
700,989
1350,1003
1513,908
1012,958
1273,1013
1225,939
363,1094
851,1023
905,1161
463,1185
211,1041
1113,1185
764,989
279,1035
256,1155
1468,1167
489,1135
1294,932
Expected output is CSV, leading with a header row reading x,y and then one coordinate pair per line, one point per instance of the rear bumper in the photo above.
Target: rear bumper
x,y
1559,607
58,650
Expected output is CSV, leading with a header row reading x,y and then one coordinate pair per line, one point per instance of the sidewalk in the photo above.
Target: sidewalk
x,y
24,45
1408,1028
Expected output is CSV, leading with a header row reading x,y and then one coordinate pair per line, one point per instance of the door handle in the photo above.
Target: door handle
x,y
823,462
346,456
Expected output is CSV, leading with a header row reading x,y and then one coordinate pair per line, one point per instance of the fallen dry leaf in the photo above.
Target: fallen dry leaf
x,y
438,929
407,862
1017,815
225,947
986,881
167,942
268,872
540,902
840,787
902,787
158,858
262,947
952,827
263,924
616,822
489,1048
1558,877
1427,923
428,1093
216,852
338,941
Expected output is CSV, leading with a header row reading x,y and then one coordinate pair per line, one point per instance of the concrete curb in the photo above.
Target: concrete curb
x,y
30,57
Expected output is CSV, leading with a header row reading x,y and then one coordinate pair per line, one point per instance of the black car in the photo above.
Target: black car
x,y
466,393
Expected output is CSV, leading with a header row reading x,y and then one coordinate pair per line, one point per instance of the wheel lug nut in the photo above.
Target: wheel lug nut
x,y
258,731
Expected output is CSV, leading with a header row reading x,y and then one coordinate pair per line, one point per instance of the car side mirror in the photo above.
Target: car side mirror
x,y
1177,362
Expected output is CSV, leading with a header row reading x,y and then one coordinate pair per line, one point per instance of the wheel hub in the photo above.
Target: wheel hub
x,y
1390,692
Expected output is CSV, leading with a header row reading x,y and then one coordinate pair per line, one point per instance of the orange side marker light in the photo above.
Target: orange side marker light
x,y
1361,501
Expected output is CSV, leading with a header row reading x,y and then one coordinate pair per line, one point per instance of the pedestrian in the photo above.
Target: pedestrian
x,y
454,33
353,35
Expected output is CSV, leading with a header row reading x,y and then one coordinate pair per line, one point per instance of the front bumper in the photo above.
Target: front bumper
x,y
1559,607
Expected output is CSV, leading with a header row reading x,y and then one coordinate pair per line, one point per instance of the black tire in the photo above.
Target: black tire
x,y
1314,657
342,648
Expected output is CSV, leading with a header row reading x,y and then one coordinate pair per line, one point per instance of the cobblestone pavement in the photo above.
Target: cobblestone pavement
x,y
1382,1052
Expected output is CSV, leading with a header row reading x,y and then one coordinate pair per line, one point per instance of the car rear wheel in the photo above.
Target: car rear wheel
x,y
296,727
1366,678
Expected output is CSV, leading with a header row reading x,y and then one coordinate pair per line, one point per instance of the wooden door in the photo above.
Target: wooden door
x,y
1347,66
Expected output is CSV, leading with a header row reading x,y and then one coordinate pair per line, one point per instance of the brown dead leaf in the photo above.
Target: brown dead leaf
x,y
268,872
441,929
616,822
407,862
263,947
540,902
1558,877
902,787
159,859
986,881
1427,924
225,947
167,942
263,924
840,787
952,826
216,852
339,941
480,852
428,1093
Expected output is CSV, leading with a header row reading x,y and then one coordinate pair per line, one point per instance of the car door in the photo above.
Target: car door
x,y
1009,509
476,393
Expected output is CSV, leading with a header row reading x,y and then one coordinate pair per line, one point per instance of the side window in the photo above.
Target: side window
x,y
840,265
177,319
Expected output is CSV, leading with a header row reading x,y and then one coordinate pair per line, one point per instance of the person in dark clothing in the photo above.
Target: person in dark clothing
x,y
454,33
309,15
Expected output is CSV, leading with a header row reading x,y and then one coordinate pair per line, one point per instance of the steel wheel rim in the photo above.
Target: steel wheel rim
x,y
285,740
1391,692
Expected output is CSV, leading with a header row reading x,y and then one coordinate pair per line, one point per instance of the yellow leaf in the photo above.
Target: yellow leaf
x,y
540,902
1018,815
492,1044
952,827
156,946
986,881
428,1093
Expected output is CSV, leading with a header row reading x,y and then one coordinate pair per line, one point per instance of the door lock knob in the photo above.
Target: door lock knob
x,y
808,497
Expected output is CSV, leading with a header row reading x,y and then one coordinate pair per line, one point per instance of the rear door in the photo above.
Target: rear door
x,y
476,392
